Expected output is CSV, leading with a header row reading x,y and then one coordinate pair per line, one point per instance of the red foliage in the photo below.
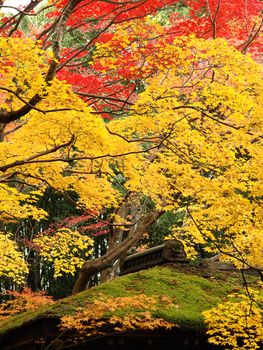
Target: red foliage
x,y
99,12
84,223
236,20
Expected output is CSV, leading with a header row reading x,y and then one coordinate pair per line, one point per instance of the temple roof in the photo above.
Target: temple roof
x,y
191,290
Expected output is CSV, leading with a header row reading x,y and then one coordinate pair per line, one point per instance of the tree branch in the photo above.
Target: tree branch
x,y
31,159
97,265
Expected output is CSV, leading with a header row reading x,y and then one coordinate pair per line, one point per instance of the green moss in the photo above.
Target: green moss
x,y
190,293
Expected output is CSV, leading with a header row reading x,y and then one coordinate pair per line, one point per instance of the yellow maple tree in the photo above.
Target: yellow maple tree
x,y
237,323
208,111
192,142
64,250
12,263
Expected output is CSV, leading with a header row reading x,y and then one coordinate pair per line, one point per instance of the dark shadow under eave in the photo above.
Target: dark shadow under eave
x,y
44,333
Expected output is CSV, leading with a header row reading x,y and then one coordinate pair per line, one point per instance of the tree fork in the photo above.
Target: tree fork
x,y
94,266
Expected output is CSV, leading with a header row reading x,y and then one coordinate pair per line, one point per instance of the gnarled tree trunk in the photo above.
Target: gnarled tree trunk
x,y
97,265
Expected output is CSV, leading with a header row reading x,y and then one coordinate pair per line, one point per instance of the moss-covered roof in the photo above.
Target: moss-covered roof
x,y
191,293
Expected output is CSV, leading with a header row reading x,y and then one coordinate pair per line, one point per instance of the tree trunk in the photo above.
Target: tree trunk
x,y
115,237
97,265
2,130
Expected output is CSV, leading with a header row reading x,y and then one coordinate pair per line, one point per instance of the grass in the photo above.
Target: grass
x,y
190,294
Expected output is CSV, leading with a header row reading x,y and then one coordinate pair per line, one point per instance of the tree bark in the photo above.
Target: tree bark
x,y
97,265
2,129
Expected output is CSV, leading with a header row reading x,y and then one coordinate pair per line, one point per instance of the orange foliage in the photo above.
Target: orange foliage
x,y
119,313
27,300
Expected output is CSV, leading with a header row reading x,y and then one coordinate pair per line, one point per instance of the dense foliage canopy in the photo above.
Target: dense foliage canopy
x,y
127,113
